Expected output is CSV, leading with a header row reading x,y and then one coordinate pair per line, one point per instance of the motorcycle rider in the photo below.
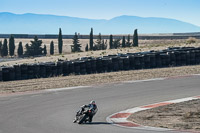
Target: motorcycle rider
x,y
91,105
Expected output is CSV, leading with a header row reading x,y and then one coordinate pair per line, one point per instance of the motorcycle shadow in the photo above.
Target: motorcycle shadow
x,y
98,123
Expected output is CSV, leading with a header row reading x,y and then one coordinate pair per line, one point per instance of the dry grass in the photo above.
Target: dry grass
x,y
181,116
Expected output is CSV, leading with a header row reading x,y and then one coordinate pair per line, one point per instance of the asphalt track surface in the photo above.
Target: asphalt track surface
x,y
53,112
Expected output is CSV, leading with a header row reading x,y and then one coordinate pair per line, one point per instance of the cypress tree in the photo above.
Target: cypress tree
x,y
128,43
123,42
91,39
135,38
99,41
51,48
99,44
45,50
1,48
111,41
11,45
5,48
76,47
27,46
86,48
60,41
20,49
104,45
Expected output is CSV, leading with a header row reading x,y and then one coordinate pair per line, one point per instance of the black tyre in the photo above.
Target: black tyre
x,y
80,121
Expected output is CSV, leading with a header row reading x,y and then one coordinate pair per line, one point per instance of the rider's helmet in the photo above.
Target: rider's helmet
x,y
92,102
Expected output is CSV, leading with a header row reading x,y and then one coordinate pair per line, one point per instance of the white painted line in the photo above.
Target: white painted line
x,y
133,110
108,119
182,100
147,80
196,74
68,88
117,120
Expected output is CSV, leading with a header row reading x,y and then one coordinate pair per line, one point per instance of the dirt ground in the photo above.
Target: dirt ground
x,y
180,116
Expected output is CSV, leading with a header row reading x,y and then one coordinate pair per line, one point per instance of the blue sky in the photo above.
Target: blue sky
x,y
185,10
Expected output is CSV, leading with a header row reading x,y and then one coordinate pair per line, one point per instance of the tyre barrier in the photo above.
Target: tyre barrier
x,y
24,71
59,67
51,69
42,71
30,71
171,57
107,64
117,64
126,63
5,73
17,72
99,65
88,66
77,67
11,73
36,71
1,75
71,67
65,68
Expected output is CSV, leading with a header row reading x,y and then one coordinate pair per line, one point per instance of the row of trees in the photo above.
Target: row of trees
x,y
4,47
114,43
100,44
35,48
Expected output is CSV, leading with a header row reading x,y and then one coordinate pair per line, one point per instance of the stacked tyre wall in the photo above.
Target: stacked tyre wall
x,y
179,56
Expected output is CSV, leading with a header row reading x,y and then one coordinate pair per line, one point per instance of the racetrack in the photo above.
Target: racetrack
x,y
53,112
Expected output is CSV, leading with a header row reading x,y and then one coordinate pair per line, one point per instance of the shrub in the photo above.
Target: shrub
x,y
191,40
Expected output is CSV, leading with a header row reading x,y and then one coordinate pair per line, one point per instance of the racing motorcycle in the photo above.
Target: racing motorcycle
x,y
85,115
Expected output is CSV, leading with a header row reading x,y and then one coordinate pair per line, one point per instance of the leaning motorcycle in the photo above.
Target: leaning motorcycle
x,y
84,116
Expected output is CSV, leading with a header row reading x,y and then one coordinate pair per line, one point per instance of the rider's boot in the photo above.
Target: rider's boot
x,y
90,119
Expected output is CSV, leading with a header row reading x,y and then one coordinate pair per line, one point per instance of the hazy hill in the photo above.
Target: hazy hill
x,y
48,24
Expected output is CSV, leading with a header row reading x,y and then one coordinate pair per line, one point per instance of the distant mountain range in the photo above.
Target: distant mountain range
x,y
49,24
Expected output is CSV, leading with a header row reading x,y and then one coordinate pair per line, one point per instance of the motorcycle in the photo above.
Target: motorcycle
x,y
85,115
